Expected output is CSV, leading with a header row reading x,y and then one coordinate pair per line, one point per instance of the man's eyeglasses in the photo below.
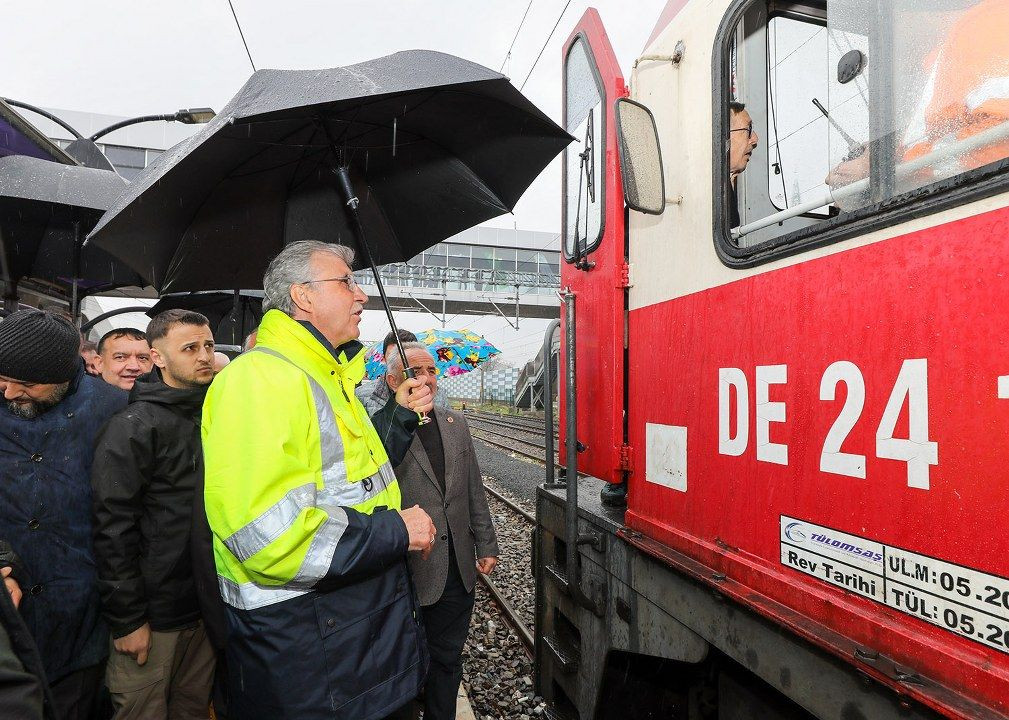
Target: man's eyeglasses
x,y
348,280
748,130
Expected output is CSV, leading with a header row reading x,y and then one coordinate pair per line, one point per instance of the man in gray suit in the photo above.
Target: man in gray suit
x,y
440,473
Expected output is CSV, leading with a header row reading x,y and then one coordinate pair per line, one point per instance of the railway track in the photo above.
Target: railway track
x,y
529,517
524,448
498,656
510,615
510,421
519,437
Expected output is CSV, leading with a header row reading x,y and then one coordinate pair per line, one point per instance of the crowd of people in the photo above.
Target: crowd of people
x,y
178,533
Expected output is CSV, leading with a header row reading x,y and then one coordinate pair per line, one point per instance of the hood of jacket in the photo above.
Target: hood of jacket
x,y
184,401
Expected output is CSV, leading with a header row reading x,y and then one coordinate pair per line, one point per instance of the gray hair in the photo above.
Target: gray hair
x,y
393,363
294,265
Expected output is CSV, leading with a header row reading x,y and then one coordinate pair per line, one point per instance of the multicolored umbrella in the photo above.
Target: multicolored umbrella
x,y
455,352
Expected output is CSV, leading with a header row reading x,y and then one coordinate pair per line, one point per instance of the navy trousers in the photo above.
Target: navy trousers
x,y
447,625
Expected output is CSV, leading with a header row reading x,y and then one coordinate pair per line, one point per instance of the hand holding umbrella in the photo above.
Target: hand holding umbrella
x,y
415,395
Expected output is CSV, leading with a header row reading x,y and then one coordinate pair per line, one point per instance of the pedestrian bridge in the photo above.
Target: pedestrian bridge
x,y
513,273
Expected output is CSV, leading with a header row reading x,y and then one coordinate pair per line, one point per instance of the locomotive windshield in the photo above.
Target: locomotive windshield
x,y
583,118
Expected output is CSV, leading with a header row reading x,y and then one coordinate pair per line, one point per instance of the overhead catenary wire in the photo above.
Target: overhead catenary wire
x,y
540,54
510,47
242,35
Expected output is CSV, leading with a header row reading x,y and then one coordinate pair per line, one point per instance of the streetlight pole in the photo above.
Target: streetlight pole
x,y
191,116
84,150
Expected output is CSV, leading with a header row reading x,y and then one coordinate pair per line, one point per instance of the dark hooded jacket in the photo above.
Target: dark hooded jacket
x,y
45,514
148,464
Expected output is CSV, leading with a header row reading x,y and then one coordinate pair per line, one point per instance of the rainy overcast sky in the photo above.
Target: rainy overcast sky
x,y
137,57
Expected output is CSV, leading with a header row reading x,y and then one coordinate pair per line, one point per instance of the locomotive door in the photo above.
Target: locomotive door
x,y
594,246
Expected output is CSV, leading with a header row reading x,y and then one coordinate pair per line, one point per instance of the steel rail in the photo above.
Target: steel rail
x,y
518,427
511,504
509,614
512,449
536,442
510,420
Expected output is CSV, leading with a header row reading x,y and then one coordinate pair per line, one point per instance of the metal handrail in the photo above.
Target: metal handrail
x,y
548,404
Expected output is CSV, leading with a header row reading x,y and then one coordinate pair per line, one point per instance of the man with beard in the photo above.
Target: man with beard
x,y
148,466
53,412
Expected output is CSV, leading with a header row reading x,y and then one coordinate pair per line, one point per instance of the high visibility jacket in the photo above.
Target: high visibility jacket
x,y
967,91
310,553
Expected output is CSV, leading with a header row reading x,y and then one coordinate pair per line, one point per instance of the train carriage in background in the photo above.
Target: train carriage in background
x,y
808,411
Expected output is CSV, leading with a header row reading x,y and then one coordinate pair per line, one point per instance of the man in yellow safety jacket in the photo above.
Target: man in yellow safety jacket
x,y
309,540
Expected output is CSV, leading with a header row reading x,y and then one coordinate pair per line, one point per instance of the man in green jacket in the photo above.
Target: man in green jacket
x,y
310,542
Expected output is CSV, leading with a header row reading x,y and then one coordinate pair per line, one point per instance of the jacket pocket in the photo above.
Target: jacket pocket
x,y
123,675
370,636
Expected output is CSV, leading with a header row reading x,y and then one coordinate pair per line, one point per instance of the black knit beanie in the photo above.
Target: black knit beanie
x,y
38,346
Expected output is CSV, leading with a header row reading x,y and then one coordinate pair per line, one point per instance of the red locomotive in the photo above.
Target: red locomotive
x,y
793,370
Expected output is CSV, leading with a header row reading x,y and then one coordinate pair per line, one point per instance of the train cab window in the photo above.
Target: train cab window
x,y
584,117
796,142
860,108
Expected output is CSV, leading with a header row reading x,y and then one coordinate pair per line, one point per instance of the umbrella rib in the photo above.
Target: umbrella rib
x,y
292,183
296,161
295,183
249,159
430,96
357,113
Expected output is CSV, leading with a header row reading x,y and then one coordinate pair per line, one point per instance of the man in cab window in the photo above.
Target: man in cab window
x,y
742,141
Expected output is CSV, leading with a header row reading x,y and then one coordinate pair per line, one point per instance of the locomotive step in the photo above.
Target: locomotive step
x,y
558,575
553,714
566,656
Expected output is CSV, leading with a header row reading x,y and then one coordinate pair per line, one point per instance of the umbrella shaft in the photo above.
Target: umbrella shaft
x,y
350,198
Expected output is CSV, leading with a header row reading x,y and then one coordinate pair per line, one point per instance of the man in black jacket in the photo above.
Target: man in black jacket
x,y
148,464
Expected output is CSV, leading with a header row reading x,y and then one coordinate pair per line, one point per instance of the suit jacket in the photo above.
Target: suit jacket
x,y
462,508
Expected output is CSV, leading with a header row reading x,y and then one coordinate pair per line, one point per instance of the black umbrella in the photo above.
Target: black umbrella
x,y
46,209
414,147
232,314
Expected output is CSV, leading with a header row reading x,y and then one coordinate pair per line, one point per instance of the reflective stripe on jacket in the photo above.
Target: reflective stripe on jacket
x,y
289,453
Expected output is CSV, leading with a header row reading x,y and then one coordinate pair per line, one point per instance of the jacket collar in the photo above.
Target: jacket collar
x,y
75,383
349,349
303,343
152,388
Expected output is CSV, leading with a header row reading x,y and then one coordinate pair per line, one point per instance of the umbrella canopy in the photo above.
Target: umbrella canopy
x,y
455,352
232,315
434,145
46,210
